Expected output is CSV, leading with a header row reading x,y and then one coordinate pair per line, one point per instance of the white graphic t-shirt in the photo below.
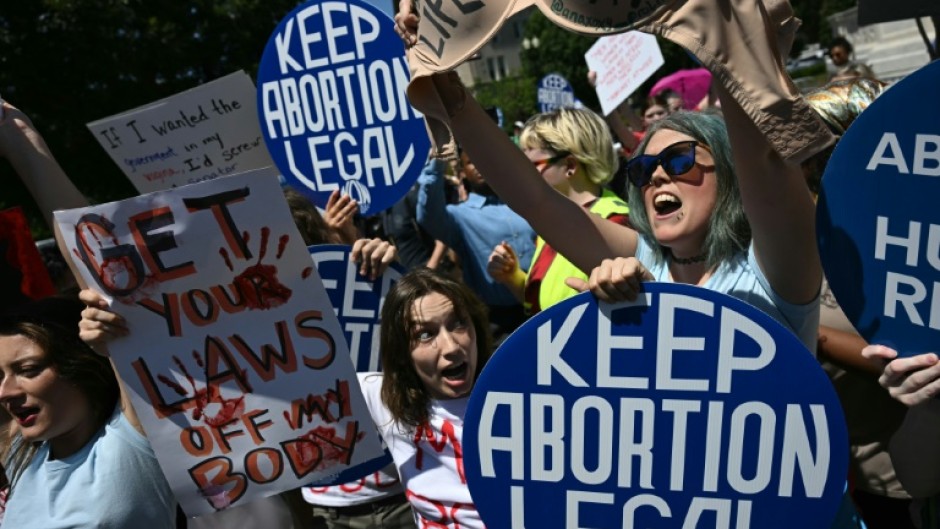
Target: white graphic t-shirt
x,y
429,460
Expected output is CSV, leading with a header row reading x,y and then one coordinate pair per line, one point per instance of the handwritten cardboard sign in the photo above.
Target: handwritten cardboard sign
x,y
622,63
332,105
235,361
196,135
878,225
357,300
685,408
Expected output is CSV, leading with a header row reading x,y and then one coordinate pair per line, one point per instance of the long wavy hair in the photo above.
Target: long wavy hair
x,y
728,230
579,132
52,324
403,393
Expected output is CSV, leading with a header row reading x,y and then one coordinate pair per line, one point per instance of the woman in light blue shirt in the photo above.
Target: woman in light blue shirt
x,y
78,457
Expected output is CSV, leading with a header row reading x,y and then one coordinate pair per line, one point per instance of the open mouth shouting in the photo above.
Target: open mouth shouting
x,y
458,378
455,373
666,204
24,415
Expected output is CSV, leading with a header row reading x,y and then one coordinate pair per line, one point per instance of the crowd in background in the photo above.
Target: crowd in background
x,y
571,202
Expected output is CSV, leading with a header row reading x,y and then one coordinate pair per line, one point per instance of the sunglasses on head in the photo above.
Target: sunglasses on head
x,y
676,159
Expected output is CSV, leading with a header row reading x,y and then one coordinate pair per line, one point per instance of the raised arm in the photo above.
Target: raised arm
x,y
583,238
339,215
779,207
27,152
97,327
431,210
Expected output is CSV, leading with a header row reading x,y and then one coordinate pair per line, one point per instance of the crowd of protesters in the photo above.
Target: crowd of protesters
x,y
512,226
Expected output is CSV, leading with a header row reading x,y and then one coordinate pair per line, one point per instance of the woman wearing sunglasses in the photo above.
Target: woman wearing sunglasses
x,y
691,212
711,202
572,151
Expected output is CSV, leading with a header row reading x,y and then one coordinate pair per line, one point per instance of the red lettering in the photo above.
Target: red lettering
x,y
426,432
254,428
193,299
353,487
304,456
218,204
162,408
221,435
119,262
447,516
217,483
393,480
169,311
217,355
253,465
301,322
265,363
196,441
152,244
307,407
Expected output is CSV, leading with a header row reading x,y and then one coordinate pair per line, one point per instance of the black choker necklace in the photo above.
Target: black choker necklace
x,y
688,260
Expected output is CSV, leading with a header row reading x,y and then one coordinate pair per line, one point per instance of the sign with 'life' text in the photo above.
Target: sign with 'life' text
x,y
878,224
235,362
332,105
357,300
196,135
685,408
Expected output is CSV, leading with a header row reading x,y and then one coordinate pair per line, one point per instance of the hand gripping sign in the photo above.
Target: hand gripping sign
x,y
878,224
357,303
356,300
686,408
332,105
236,365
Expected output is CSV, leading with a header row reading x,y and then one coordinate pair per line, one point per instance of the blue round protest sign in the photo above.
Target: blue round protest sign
x,y
878,224
683,407
555,92
332,105
357,300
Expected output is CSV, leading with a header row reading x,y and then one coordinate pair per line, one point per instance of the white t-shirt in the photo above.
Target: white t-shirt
x,y
430,460
376,486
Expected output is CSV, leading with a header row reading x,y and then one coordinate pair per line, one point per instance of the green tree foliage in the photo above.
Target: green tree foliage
x,y
815,27
559,51
69,62
516,96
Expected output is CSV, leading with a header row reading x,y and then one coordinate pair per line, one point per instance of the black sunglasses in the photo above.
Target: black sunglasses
x,y
676,159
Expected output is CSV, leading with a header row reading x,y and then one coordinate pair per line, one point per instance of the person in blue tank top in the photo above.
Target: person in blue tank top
x,y
78,457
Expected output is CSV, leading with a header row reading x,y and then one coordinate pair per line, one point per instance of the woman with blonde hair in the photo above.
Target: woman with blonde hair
x,y
573,152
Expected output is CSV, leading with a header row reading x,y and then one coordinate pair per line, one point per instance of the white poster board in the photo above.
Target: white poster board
x,y
622,63
200,134
235,362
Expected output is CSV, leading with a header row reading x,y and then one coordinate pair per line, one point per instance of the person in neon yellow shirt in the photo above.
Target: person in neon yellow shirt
x,y
573,151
